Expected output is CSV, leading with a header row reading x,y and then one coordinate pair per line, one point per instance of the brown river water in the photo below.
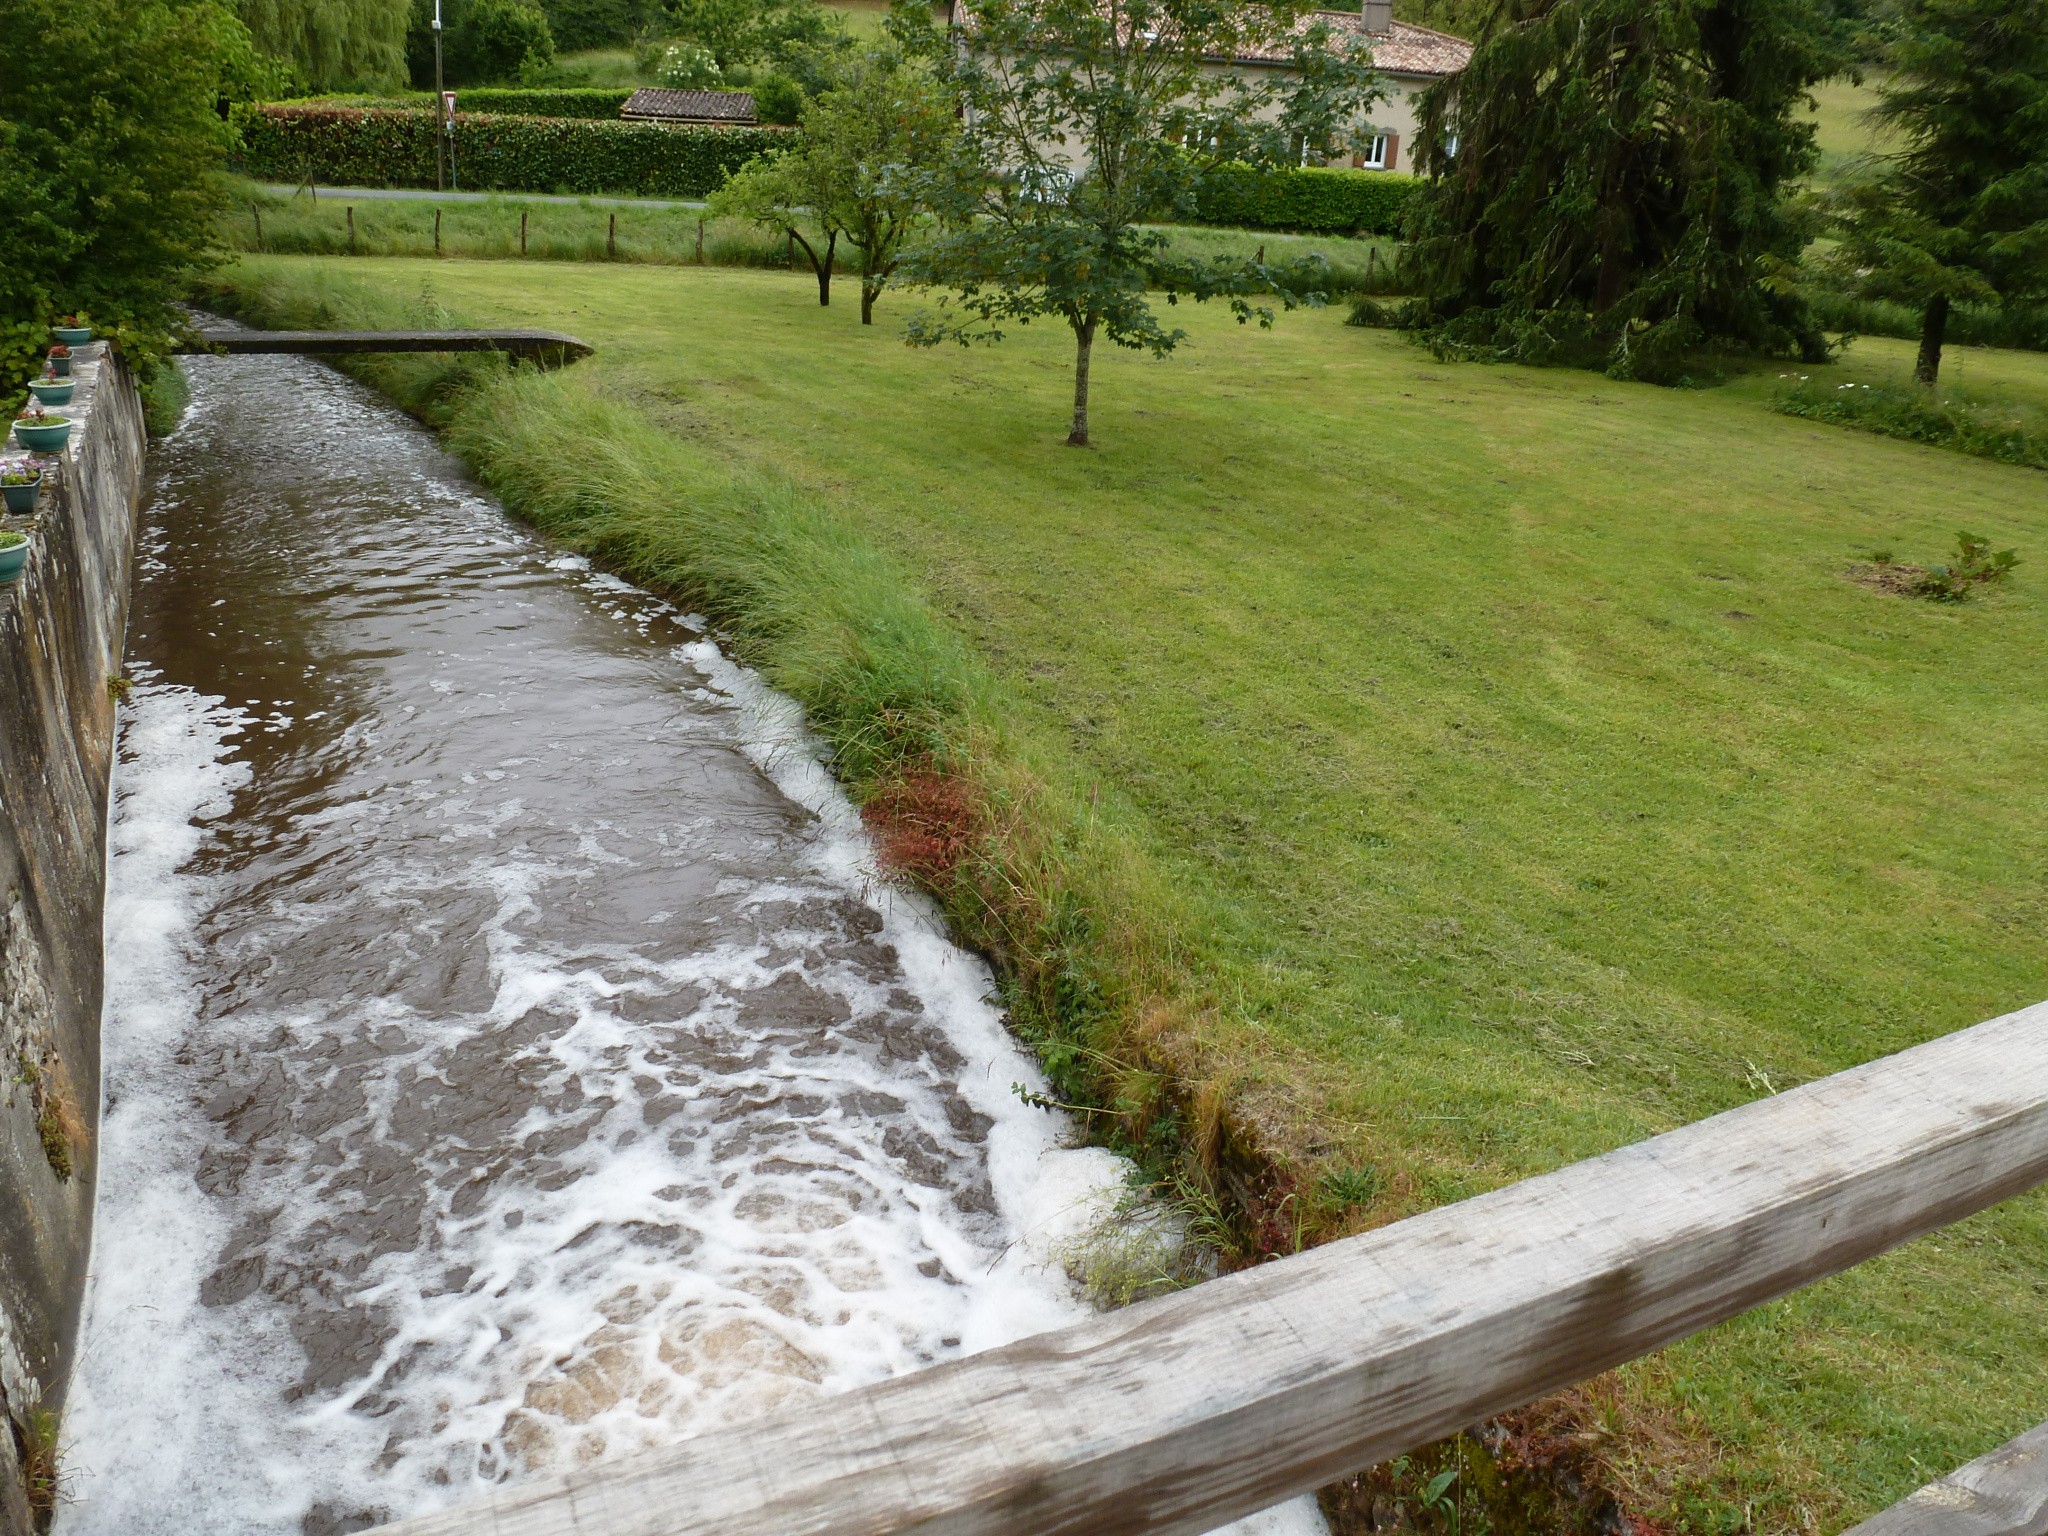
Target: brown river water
x,y
513,1057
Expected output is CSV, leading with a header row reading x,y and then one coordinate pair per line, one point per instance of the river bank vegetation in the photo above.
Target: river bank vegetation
x,y
1424,775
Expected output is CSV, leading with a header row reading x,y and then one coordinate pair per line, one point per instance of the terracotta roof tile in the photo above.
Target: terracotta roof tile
x,y
691,106
1404,50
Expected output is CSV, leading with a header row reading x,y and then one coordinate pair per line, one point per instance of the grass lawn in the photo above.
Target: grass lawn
x,y
297,225
1533,777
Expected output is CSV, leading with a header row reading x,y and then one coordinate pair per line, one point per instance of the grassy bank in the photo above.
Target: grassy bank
x,y
1449,771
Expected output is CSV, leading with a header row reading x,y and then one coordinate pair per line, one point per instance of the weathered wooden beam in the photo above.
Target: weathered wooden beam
x,y
2002,1494
549,345
1176,1415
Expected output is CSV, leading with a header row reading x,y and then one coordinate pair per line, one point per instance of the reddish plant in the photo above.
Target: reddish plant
x,y
925,823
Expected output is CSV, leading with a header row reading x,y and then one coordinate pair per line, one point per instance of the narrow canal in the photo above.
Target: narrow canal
x,y
512,1059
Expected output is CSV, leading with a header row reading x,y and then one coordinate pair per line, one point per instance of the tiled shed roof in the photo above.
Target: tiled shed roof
x,y
691,106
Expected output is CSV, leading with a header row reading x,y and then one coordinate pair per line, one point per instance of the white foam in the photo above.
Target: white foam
x,y
631,1289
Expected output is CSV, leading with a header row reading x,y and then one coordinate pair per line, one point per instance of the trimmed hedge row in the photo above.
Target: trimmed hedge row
x,y
1317,200
375,147
581,101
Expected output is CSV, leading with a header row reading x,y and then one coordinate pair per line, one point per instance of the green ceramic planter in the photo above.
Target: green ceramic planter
x,y
73,335
62,365
12,558
53,391
44,439
21,499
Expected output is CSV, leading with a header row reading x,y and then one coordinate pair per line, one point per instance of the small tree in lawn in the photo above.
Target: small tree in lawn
x,y
1073,113
860,173
1961,211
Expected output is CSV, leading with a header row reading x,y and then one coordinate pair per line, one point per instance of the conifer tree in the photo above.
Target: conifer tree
x,y
1960,212
1607,180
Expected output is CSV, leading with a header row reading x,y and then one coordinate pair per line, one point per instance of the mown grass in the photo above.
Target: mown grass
x,y
1496,763
297,224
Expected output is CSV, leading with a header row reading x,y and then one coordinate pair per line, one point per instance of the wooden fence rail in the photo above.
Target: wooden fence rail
x,y
2002,1494
1179,1414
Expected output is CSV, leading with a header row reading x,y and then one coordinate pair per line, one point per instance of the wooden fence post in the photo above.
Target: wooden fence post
x,y
437,231
611,239
351,228
522,232
256,213
700,240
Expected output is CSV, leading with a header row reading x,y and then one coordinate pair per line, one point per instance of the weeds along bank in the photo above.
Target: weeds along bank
x,y
1421,654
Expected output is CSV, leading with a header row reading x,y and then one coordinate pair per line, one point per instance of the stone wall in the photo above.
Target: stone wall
x,y
61,628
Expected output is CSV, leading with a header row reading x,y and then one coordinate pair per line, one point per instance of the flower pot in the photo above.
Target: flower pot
x,y
62,365
49,438
73,335
53,391
21,499
12,558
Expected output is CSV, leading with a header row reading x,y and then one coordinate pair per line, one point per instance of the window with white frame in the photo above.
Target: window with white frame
x,y
1375,157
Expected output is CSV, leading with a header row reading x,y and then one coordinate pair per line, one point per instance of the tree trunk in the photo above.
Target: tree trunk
x,y
1084,342
825,270
869,292
1933,331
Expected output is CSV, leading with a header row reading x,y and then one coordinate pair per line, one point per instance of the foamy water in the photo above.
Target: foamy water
x,y
513,1058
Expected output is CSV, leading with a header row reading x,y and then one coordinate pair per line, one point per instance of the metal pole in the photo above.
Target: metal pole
x,y
440,108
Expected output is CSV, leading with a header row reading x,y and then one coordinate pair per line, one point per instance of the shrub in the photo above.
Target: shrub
x,y
689,67
501,40
1942,419
1974,564
1332,202
778,99
507,101
373,147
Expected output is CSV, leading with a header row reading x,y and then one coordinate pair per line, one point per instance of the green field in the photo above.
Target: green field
x,y
1530,775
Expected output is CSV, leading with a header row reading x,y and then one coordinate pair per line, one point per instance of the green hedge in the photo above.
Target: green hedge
x,y
1321,201
587,102
375,147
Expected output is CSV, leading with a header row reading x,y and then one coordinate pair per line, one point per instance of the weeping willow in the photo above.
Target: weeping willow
x,y
1608,178
333,44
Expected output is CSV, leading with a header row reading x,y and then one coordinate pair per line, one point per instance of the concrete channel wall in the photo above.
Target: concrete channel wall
x,y
61,629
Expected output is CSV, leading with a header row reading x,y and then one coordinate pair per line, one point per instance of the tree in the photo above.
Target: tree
x,y
1075,114
1960,213
859,170
740,33
333,45
1616,193
111,145
485,42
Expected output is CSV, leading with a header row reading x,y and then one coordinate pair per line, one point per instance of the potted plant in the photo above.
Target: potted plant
x,y
20,480
60,361
13,555
40,432
73,330
51,390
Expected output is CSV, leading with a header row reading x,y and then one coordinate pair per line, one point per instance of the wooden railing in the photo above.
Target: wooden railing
x,y
2002,1494
1176,1415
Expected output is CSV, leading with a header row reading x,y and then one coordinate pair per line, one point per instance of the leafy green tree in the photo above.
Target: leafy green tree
x,y
1616,193
1960,213
1313,112
111,143
742,33
332,45
581,24
859,172
1075,113
483,42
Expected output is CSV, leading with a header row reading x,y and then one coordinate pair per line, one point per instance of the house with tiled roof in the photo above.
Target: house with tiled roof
x,y
1409,60
720,109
